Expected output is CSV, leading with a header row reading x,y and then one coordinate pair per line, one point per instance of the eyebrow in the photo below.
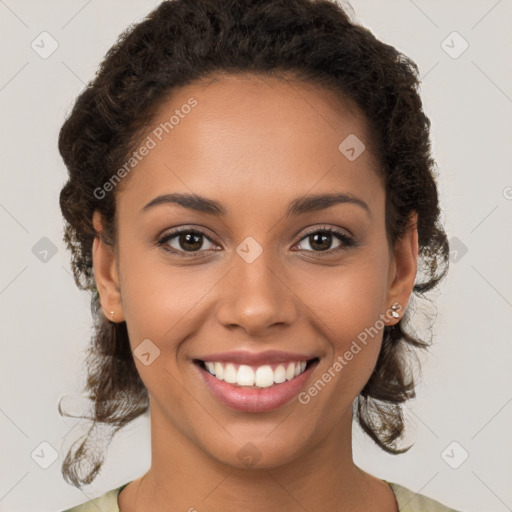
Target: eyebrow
x,y
298,206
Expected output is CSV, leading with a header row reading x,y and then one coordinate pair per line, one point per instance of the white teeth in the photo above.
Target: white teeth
x,y
290,371
264,376
230,373
219,371
261,377
245,376
279,374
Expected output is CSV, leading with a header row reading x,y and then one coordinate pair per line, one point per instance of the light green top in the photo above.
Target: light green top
x,y
407,500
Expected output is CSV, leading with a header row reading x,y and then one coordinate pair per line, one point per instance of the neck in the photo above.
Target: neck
x,y
183,476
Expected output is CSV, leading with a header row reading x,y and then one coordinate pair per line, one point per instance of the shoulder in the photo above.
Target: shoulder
x,y
106,502
409,501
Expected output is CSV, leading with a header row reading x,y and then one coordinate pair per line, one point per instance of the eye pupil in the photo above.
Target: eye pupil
x,y
190,239
325,240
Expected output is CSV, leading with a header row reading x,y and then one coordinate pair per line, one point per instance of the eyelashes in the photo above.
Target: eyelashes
x,y
179,233
196,237
346,241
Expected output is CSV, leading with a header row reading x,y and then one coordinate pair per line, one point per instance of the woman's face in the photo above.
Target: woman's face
x,y
261,284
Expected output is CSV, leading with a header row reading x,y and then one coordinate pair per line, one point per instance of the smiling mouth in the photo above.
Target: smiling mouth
x,y
262,376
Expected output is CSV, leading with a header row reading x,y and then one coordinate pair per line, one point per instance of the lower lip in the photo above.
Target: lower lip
x,y
256,399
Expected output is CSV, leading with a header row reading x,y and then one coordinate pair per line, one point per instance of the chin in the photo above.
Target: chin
x,y
256,450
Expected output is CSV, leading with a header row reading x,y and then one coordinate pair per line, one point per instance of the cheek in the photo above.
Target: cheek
x,y
159,304
348,306
156,295
163,303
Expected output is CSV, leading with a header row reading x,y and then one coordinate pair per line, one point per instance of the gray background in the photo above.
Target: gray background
x,y
465,395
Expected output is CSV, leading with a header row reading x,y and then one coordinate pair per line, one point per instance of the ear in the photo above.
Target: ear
x,y
403,268
106,274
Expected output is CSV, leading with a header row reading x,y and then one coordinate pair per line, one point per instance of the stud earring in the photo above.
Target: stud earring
x,y
394,313
112,316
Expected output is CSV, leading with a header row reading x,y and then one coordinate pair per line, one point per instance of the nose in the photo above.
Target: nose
x,y
256,296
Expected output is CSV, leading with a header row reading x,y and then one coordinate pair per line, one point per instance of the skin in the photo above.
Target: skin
x,y
254,144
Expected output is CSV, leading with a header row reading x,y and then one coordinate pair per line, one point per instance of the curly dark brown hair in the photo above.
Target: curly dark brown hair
x,y
182,41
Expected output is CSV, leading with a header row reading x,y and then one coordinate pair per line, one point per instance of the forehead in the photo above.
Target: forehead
x,y
253,137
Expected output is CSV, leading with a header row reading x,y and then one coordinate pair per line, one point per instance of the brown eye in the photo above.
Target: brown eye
x,y
322,239
185,240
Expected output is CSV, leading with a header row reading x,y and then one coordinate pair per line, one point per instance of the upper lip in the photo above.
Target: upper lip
x,y
256,358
